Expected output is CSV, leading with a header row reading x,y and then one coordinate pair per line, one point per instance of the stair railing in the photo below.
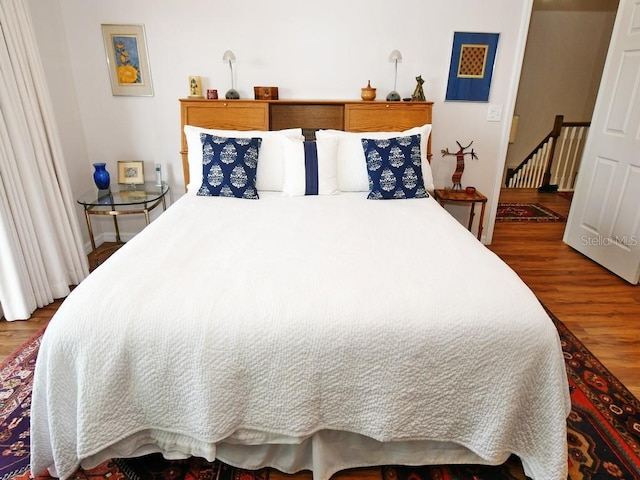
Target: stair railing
x,y
555,159
569,148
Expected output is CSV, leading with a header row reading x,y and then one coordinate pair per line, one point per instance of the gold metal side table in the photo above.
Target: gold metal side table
x,y
122,200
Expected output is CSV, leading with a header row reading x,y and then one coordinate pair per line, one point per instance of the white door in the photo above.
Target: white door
x,y
604,221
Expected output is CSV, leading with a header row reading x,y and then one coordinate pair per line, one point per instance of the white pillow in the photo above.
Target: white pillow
x,y
295,181
352,166
270,172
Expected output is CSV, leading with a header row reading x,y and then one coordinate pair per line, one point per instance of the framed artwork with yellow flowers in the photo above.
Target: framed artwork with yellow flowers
x,y
127,59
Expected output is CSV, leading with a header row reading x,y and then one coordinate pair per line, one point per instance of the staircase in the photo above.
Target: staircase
x,y
554,163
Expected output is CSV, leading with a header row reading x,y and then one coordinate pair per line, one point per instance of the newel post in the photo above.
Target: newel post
x,y
546,179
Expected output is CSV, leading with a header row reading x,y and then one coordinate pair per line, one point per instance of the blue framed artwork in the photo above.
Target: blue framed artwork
x,y
472,59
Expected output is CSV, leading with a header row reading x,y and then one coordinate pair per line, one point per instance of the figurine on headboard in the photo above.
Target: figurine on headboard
x,y
418,93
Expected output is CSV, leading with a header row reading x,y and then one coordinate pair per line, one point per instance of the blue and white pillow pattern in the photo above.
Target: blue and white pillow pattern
x,y
229,166
394,167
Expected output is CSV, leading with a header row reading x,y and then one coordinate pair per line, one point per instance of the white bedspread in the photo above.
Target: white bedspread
x,y
247,322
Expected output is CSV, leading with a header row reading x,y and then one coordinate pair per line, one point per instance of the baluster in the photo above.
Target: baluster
x,y
561,157
565,158
528,169
576,156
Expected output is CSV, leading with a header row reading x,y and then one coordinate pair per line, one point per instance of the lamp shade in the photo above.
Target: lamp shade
x,y
228,56
395,56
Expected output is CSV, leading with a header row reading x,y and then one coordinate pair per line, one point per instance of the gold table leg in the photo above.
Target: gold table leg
x,y
94,252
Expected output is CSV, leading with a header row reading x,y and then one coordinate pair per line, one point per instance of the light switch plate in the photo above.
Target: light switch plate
x,y
494,113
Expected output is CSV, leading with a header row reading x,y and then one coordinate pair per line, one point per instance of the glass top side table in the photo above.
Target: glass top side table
x,y
121,200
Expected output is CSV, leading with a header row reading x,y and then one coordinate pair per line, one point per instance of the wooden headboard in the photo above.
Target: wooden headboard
x,y
351,116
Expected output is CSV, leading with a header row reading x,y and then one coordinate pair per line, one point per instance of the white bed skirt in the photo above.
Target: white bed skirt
x,y
324,453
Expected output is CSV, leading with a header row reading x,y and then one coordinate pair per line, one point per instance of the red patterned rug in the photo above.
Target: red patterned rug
x,y
603,432
526,212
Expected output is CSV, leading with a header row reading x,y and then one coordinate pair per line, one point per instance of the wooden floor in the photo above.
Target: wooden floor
x,y
602,310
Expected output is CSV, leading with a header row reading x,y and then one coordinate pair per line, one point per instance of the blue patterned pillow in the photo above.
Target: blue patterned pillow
x,y
394,167
229,166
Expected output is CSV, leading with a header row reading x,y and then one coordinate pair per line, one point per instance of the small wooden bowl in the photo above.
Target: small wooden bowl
x,y
470,190
368,93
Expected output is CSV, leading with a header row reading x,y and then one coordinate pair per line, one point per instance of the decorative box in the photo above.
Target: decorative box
x,y
265,93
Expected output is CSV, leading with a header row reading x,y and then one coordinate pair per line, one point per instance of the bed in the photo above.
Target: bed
x,y
310,328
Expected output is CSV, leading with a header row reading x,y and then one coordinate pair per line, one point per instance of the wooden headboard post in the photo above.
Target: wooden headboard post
x,y
351,116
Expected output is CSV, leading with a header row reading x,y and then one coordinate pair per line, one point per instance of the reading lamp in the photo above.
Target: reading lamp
x,y
395,56
229,57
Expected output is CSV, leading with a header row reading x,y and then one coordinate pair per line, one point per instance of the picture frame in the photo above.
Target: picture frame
x,y
472,60
131,173
133,195
127,60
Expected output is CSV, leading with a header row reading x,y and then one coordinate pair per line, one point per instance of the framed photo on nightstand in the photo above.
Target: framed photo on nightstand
x,y
131,173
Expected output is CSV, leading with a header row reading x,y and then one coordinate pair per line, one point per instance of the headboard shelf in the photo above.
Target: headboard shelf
x,y
310,115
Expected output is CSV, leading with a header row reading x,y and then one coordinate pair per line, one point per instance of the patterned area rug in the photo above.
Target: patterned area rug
x,y
603,432
526,212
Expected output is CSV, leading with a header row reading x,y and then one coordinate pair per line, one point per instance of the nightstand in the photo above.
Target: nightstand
x,y
122,200
455,196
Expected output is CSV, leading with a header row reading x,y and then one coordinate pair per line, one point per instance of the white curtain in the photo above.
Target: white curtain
x,y
41,251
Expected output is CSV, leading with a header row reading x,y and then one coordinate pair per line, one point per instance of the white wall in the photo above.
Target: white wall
x,y
319,50
563,63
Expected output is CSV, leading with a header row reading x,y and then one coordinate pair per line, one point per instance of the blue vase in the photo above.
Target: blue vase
x,y
101,176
